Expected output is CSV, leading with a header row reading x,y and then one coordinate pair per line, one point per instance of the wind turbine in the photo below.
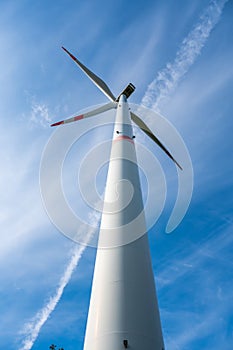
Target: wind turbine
x,y
123,311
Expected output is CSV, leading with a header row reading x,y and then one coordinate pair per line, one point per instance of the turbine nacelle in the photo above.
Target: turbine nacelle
x,y
127,91
113,104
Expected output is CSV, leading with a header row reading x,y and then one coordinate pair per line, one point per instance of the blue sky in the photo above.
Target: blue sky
x,y
185,48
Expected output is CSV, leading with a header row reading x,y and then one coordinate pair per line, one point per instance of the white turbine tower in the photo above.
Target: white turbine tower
x,y
123,311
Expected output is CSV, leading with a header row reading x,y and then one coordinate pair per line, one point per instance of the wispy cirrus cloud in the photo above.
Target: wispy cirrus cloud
x,y
168,78
40,114
199,270
211,248
157,91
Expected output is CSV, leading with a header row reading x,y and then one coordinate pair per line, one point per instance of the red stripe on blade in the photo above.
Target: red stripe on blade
x,y
79,117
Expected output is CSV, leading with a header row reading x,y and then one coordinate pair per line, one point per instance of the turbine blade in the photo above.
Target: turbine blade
x,y
94,78
149,133
95,111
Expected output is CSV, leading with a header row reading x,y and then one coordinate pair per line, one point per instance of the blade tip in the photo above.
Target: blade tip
x,y
180,167
57,123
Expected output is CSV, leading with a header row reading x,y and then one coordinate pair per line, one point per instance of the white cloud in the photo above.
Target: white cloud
x,y
24,200
168,78
40,114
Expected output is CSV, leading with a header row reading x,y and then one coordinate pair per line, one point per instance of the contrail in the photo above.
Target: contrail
x,y
190,48
31,329
164,83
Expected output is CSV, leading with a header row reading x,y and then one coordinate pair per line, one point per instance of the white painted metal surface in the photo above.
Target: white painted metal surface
x,y
123,308
123,311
